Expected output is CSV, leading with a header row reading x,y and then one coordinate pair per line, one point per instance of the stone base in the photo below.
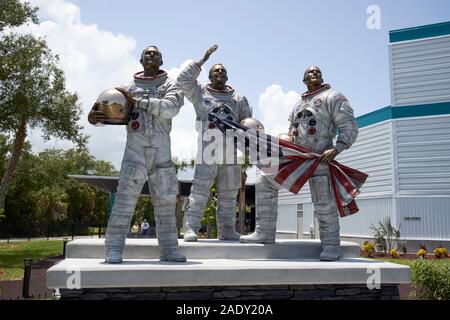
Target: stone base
x,y
221,270
278,292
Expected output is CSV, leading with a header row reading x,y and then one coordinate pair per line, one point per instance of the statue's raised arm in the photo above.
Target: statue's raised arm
x,y
207,54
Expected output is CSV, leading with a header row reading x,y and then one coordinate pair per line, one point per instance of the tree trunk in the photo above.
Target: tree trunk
x,y
179,214
12,163
242,203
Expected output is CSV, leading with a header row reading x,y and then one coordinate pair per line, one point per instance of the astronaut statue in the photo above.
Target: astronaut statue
x,y
156,100
224,101
314,122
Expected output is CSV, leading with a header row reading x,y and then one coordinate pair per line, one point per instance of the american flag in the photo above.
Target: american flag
x,y
296,164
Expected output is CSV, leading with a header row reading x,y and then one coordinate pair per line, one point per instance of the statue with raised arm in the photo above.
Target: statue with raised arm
x,y
155,100
225,102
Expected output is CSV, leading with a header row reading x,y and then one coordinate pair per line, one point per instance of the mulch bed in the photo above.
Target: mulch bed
x,y
12,290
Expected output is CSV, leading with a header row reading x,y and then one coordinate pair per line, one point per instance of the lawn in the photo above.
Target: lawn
x,y
12,255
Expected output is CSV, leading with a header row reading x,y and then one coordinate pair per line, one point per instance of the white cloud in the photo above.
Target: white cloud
x,y
275,107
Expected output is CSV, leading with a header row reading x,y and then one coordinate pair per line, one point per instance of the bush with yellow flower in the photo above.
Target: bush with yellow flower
x,y
394,254
368,248
422,253
441,252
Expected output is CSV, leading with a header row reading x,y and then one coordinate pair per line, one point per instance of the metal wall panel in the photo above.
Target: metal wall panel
x,y
420,71
424,218
370,212
423,150
372,154
287,219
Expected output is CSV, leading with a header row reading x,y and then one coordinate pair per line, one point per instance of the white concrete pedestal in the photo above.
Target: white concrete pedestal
x,y
215,267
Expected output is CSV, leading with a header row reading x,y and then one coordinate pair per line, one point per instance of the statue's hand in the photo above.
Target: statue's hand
x,y
328,155
128,95
209,52
96,116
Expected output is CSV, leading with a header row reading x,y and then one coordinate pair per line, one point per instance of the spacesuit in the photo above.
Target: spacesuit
x,y
148,154
229,104
314,122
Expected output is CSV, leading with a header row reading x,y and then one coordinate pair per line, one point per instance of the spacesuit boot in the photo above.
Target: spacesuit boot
x,y
327,216
266,213
167,236
113,251
119,222
226,217
204,177
190,235
329,236
165,197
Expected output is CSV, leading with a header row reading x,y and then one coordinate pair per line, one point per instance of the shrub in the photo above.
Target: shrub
x,y
402,247
440,252
394,254
432,280
421,254
368,248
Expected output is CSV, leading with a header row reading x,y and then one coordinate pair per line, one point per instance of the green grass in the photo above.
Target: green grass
x,y
12,255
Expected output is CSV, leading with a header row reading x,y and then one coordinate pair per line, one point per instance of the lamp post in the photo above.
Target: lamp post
x,y
26,277
65,240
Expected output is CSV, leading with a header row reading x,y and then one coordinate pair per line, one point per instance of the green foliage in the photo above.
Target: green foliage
x,y
33,93
14,13
12,255
42,190
209,217
386,236
32,90
144,210
432,280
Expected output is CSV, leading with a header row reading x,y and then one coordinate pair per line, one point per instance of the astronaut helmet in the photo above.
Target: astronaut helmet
x,y
114,105
285,137
253,123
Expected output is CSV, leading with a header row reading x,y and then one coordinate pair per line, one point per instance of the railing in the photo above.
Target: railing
x,y
50,229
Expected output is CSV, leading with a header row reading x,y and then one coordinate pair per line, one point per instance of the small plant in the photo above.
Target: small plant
x,y
402,247
440,252
422,253
394,254
386,236
432,280
368,248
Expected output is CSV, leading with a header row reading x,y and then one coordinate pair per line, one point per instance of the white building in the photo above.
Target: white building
x,y
405,148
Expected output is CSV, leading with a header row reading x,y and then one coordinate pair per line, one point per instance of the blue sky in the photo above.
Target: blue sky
x,y
265,45
265,42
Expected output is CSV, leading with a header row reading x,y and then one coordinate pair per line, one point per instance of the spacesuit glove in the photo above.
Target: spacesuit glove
x,y
145,104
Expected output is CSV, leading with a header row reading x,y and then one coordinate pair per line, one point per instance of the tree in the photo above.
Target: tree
x,y
33,95
14,13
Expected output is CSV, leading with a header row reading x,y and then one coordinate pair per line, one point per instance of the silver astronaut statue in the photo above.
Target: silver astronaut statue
x,y
156,100
226,102
320,114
